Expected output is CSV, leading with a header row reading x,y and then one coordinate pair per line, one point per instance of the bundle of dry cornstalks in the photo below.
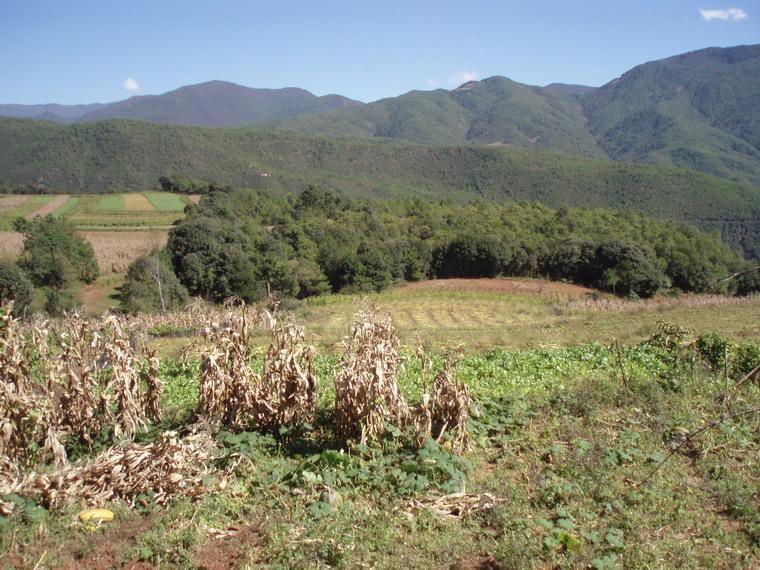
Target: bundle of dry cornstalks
x,y
86,381
235,396
167,467
445,408
105,382
27,414
367,394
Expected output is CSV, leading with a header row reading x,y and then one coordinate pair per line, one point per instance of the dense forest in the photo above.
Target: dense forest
x,y
129,155
235,242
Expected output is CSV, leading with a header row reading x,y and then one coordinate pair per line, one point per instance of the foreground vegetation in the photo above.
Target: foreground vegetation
x,y
601,456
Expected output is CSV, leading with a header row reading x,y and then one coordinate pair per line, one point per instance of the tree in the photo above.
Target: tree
x,y
16,287
54,254
151,286
470,256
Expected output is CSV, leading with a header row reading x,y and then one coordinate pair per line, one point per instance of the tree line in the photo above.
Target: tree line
x,y
245,242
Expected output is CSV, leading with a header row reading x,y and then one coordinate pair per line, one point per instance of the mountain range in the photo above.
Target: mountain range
x,y
209,104
699,110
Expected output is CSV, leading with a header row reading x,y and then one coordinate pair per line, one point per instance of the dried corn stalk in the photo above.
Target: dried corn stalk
x,y
366,391
449,408
232,394
170,466
445,407
27,416
228,386
289,384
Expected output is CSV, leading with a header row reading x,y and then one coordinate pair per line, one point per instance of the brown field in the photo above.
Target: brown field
x,y
49,207
113,250
116,250
10,244
193,198
8,202
137,203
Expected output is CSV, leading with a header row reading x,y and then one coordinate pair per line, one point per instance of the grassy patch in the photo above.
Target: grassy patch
x,y
110,203
68,207
165,201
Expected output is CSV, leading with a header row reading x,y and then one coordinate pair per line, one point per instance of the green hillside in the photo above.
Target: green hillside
x,y
127,155
493,111
698,110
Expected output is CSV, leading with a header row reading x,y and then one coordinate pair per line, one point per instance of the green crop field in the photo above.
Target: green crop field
x,y
109,203
123,211
68,207
34,203
165,201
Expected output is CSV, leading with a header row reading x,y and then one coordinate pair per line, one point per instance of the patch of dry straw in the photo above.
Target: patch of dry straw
x,y
367,394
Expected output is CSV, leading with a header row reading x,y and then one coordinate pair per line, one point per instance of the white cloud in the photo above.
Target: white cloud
x,y
726,15
131,84
431,82
464,77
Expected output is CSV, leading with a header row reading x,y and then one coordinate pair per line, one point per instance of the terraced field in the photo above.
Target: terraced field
x,y
127,211
120,227
522,313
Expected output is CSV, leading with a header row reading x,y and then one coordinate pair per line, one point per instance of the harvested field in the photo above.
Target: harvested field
x,y
539,286
193,198
49,207
113,250
137,203
517,313
7,202
10,244
116,250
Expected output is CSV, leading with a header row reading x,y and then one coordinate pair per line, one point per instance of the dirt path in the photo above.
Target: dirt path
x,y
49,207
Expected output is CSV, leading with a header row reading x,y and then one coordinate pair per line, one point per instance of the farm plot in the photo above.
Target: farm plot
x,y
21,209
135,202
50,207
166,201
516,313
121,211
115,251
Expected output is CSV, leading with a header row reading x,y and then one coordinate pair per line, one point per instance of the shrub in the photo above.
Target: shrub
x,y
54,254
16,287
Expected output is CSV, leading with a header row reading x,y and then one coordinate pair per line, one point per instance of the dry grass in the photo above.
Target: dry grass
x,y
367,394
11,244
9,202
115,251
135,202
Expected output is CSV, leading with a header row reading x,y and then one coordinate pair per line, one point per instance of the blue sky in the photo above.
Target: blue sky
x,y
85,51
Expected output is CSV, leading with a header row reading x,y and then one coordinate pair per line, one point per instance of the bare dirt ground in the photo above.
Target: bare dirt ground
x,y
509,286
